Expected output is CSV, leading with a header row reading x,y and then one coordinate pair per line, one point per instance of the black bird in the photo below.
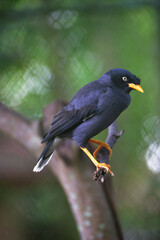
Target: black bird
x,y
93,108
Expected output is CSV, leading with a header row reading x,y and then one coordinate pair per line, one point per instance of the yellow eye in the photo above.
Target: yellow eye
x,y
124,79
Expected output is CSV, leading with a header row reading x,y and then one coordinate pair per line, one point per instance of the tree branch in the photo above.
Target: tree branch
x,y
112,137
91,203
89,200
94,8
21,129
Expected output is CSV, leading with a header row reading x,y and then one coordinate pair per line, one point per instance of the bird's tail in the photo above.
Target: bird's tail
x,y
45,157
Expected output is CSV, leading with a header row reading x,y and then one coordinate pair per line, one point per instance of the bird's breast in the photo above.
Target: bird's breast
x,y
113,103
109,107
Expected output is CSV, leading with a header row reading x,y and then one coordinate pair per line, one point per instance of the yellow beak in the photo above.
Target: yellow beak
x,y
136,87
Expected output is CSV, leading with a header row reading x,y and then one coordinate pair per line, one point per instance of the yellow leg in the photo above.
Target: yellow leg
x,y
96,151
101,144
96,163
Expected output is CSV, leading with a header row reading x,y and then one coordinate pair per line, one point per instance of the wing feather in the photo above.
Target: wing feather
x,y
82,107
66,119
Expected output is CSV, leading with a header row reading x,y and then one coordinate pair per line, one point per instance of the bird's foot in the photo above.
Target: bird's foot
x,y
105,166
99,175
98,165
101,145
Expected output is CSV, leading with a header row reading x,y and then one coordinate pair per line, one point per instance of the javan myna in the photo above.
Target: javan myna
x,y
93,108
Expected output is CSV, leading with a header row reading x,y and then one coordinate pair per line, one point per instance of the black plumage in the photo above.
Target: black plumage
x,y
93,108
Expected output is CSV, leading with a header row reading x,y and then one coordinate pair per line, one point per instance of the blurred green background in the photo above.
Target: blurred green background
x,y
48,50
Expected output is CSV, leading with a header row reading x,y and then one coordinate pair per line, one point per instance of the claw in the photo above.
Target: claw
x,y
105,166
96,163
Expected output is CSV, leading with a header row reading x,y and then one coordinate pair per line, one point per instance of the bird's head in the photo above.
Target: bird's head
x,y
125,80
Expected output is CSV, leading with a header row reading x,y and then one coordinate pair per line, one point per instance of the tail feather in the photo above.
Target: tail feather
x,y
42,162
44,158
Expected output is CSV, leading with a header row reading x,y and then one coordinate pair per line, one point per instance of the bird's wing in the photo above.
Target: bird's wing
x,y
82,107
67,119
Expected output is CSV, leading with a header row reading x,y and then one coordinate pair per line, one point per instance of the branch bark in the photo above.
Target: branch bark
x,y
112,137
21,129
91,203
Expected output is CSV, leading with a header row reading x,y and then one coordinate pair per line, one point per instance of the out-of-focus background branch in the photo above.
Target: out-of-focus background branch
x,y
91,204
47,52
